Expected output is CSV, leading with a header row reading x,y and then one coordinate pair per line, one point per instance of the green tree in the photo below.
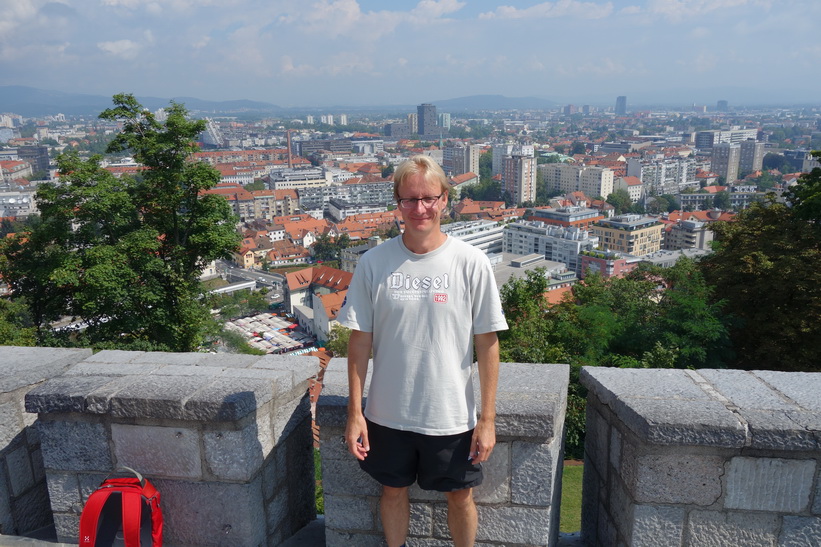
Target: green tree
x,y
765,268
673,204
337,342
387,171
16,328
620,199
125,255
721,200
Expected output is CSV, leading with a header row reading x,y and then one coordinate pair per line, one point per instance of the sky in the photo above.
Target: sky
x,y
387,52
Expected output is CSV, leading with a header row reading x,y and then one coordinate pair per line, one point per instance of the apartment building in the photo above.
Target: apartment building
x,y
485,235
569,217
725,161
519,178
632,234
556,243
687,234
567,177
460,158
500,151
664,176
298,178
708,139
340,209
751,156
317,198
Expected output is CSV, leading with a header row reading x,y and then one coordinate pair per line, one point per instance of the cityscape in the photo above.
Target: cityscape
x,y
201,185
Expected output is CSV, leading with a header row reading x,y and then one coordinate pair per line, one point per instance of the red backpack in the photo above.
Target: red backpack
x,y
123,511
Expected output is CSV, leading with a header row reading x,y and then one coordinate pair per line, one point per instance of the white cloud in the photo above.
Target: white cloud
x,y
125,49
560,8
703,62
677,10
699,33
430,9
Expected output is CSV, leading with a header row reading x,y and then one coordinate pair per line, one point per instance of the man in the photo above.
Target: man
x,y
419,302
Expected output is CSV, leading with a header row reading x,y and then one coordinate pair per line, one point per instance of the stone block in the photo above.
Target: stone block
x,y
75,446
116,356
593,490
157,397
154,450
86,368
25,366
714,529
228,399
816,504
596,439
67,527
682,422
421,521
288,414
524,525
344,477
495,487
351,513
769,484
89,482
168,359
656,525
801,387
744,389
6,517
205,513
63,394
228,360
533,472
335,538
781,431
31,510
610,384
277,511
674,479
64,492
10,422
233,455
800,531
615,448
21,475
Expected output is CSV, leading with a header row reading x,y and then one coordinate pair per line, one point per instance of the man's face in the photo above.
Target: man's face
x,y
420,219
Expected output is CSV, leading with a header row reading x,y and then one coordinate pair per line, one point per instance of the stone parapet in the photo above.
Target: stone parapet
x,y
226,439
707,457
518,502
24,505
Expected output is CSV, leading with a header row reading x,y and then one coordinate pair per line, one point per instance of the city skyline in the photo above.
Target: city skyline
x,y
348,52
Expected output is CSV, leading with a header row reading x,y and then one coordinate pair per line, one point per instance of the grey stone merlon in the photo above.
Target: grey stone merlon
x,y
162,385
718,408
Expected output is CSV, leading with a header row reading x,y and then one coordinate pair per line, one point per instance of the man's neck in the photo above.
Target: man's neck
x,y
427,243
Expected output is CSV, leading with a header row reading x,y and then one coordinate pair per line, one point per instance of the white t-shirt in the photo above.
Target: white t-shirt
x,y
423,311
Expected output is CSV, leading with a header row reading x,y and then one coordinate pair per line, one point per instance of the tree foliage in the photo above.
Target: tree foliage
x,y
766,268
125,255
652,318
337,342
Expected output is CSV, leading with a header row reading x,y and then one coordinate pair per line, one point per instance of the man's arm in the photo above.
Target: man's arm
x,y
356,431
484,436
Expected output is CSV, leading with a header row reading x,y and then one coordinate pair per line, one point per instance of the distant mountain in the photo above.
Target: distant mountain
x,y
33,102
493,102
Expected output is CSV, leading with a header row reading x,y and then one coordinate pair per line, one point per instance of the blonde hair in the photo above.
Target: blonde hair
x,y
423,165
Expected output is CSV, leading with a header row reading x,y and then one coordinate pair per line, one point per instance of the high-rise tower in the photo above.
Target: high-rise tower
x,y
621,105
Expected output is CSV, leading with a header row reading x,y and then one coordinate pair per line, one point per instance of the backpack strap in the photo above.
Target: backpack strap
x,y
89,518
132,515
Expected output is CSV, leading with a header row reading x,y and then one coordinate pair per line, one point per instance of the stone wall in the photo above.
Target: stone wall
x,y
226,439
23,495
710,458
518,502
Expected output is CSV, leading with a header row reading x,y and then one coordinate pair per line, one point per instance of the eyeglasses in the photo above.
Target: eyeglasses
x,y
427,201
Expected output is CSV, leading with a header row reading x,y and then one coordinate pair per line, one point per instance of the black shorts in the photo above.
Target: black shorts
x,y
400,458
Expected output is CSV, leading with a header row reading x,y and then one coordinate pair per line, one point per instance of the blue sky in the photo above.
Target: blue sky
x,y
371,52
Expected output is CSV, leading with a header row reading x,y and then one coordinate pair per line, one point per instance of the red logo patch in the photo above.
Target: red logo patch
x,y
441,298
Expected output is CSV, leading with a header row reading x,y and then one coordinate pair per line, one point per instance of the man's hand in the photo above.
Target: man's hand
x,y
356,436
483,441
